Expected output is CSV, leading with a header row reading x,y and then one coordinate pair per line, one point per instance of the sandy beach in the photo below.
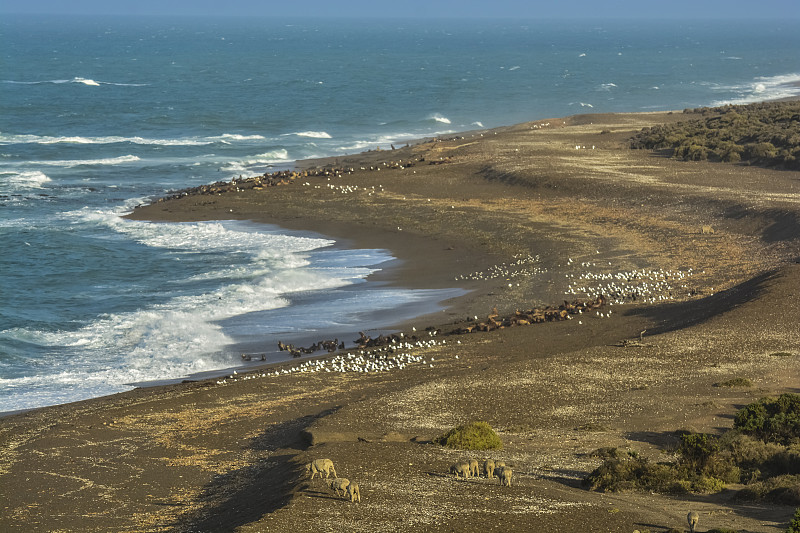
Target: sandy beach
x,y
699,261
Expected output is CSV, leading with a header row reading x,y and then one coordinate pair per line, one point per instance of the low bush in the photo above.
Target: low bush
x,y
794,525
623,472
735,382
771,419
762,451
472,436
761,134
783,490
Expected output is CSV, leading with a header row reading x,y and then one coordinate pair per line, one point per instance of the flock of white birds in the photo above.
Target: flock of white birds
x,y
631,286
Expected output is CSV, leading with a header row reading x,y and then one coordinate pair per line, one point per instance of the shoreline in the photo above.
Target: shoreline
x,y
207,455
403,271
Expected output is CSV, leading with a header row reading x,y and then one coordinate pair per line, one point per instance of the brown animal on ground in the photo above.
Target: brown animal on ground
x,y
488,468
460,469
692,518
339,485
474,469
319,466
353,493
505,475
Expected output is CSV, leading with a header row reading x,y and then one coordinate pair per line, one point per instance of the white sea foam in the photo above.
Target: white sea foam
x,y
515,67
15,181
182,335
439,118
85,81
77,79
237,137
312,134
121,160
201,236
478,123
257,162
384,142
227,138
760,89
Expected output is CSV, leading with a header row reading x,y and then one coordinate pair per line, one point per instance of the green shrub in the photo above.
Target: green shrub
x,y
762,451
755,456
783,490
696,152
762,133
735,382
622,472
609,453
697,450
472,436
771,419
707,485
760,151
794,525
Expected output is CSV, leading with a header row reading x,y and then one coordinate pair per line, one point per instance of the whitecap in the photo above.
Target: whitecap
x,y
515,67
77,79
6,139
85,81
582,55
478,123
439,118
312,134
88,162
31,179
384,142
760,89
237,137
280,155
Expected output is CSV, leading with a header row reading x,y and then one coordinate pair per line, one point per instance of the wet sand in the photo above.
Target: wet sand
x,y
227,455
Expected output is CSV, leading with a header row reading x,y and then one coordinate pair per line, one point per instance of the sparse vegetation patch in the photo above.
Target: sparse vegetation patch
x,y
762,452
735,382
472,436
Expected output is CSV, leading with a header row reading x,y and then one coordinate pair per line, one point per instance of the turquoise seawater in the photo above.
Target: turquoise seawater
x,y
98,115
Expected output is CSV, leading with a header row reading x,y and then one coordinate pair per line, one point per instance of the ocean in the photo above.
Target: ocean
x,y
98,115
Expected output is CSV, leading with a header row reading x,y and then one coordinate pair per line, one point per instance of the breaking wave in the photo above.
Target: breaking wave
x,y
227,138
439,118
121,160
312,134
84,81
15,181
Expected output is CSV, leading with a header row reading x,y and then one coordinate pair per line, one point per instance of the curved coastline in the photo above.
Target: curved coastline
x,y
569,192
